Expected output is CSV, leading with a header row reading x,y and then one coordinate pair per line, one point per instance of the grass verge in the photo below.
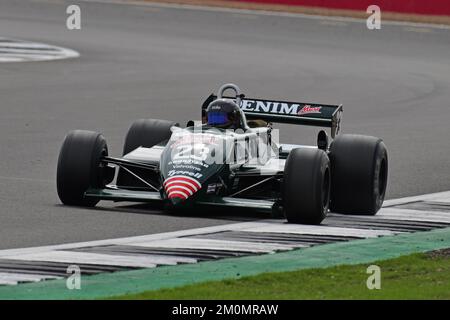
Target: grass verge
x,y
416,276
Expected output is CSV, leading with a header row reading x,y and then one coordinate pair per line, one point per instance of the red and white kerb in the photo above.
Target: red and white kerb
x,y
181,187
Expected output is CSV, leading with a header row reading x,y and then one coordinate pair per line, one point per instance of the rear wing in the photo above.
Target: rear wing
x,y
310,114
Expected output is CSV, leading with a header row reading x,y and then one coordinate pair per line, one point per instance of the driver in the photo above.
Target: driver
x,y
225,114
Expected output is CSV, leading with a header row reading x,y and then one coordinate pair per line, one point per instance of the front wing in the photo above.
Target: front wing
x,y
115,194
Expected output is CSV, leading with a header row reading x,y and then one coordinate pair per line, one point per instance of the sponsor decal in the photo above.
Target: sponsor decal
x,y
278,107
307,109
213,188
173,173
269,107
181,186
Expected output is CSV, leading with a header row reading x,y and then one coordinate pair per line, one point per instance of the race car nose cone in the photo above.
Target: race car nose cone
x,y
179,188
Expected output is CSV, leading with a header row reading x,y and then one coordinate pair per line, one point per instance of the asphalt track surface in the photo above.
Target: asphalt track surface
x,y
155,62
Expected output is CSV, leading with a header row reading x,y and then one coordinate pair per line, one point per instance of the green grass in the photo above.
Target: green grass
x,y
416,276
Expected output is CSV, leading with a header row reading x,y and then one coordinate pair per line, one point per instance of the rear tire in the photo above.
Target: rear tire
x,y
306,186
79,167
143,133
359,170
147,133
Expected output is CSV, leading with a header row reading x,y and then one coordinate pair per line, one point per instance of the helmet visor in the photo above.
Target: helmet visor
x,y
217,118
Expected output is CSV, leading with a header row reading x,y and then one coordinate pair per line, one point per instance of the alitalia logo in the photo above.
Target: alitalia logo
x,y
278,107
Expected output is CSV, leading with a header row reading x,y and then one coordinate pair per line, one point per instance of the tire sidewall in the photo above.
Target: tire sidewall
x,y
379,182
359,168
303,186
79,166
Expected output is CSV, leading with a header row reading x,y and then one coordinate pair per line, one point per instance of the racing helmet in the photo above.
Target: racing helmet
x,y
224,113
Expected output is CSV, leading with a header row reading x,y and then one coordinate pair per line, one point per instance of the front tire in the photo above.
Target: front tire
x,y
359,168
79,167
306,186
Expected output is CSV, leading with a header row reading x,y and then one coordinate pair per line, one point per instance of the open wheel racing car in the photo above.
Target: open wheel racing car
x,y
231,159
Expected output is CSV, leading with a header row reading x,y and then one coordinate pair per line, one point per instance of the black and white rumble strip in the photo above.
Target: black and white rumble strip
x,y
412,214
12,50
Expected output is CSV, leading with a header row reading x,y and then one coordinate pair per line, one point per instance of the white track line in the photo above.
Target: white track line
x,y
265,13
413,215
438,196
319,230
90,258
128,240
440,200
213,244
24,51
15,278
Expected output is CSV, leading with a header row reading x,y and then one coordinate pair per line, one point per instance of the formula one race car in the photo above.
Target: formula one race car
x,y
231,159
